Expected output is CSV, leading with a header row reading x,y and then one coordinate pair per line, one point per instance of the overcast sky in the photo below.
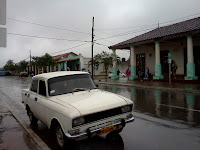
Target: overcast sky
x,y
132,17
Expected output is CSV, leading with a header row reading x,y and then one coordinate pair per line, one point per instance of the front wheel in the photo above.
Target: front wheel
x,y
60,137
114,138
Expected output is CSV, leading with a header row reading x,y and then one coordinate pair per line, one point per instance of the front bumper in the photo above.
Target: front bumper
x,y
92,131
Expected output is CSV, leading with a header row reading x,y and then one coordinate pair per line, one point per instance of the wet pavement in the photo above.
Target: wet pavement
x,y
164,119
12,135
151,83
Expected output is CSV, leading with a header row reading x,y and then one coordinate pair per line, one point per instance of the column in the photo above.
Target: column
x,y
32,68
158,67
114,69
54,68
133,64
47,69
59,67
38,70
35,70
50,68
65,65
190,60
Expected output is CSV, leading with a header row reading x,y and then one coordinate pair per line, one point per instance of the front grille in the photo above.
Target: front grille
x,y
103,115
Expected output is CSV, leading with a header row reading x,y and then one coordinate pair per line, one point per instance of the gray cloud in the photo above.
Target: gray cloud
x,y
77,15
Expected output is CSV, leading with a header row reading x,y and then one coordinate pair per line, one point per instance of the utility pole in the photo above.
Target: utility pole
x,y
30,63
92,44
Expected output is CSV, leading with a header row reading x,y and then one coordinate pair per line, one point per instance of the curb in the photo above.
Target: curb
x,y
152,87
40,143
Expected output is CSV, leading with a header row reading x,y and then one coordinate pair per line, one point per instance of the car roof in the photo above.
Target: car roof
x,y
57,73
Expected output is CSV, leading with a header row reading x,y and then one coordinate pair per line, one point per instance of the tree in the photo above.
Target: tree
x,y
22,65
45,60
96,63
9,66
106,59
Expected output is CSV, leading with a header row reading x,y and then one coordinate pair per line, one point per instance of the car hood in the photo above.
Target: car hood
x,y
87,102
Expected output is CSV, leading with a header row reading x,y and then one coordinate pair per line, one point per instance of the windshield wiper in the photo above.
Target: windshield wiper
x,y
80,89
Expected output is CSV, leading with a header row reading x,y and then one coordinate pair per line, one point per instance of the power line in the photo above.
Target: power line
x,y
123,34
143,29
101,44
41,37
48,26
153,24
70,48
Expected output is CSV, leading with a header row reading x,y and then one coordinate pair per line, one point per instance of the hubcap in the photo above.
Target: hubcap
x,y
59,136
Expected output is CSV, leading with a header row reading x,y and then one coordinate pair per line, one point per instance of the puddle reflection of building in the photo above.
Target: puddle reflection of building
x,y
157,94
133,96
114,89
169,100
190,105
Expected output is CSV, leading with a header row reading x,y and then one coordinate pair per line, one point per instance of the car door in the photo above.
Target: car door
x,y
31,96
40,101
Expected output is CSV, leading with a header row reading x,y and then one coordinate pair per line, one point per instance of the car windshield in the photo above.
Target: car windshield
x,y
70,83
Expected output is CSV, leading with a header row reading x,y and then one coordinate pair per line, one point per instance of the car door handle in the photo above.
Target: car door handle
x,y
35,98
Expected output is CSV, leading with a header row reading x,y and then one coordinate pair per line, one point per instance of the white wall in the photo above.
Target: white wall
x,y
175,47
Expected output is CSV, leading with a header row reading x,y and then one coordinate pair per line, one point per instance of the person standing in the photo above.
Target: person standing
x,y
146,72
128,73
174,67
118,72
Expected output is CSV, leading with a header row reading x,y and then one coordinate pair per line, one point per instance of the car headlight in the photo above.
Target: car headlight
x,y
126,108
78,121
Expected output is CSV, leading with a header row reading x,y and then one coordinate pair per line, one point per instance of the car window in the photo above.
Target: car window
x,y
66,84
42,88
34,86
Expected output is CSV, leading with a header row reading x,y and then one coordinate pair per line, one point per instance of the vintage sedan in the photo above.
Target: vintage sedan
x,y
23,74
70,104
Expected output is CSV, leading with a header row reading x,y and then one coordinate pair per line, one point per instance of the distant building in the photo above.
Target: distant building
x,y
182,40
70,61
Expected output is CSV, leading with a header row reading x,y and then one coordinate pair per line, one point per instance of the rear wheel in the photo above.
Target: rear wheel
x,y
32,118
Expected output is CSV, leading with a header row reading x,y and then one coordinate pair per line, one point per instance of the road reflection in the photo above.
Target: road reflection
x,y
168,105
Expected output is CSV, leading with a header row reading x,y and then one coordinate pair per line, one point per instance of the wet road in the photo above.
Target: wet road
x,y
164,120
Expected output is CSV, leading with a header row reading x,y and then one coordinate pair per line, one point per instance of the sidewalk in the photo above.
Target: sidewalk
x,y
187,87
12,135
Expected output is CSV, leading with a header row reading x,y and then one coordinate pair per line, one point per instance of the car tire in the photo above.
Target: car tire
x,y
60,137
114,138
32,118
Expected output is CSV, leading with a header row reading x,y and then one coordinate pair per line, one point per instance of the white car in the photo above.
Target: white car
x,y
121,75
69,103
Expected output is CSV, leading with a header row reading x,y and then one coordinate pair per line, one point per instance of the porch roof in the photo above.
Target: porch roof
x,y
167,31
62,61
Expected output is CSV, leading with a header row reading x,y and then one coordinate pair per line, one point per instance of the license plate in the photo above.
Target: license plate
x,y
107,130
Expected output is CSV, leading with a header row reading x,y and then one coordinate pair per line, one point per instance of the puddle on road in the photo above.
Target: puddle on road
x,y
14,137
169,105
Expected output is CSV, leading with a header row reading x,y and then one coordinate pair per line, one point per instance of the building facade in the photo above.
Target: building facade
x,y
182,40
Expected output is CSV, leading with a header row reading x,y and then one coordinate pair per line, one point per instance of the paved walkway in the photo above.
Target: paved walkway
x,y
152,84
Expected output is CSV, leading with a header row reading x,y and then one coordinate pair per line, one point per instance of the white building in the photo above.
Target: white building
x,y
182,40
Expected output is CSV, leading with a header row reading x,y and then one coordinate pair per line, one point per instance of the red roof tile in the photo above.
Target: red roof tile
x,y
63,55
